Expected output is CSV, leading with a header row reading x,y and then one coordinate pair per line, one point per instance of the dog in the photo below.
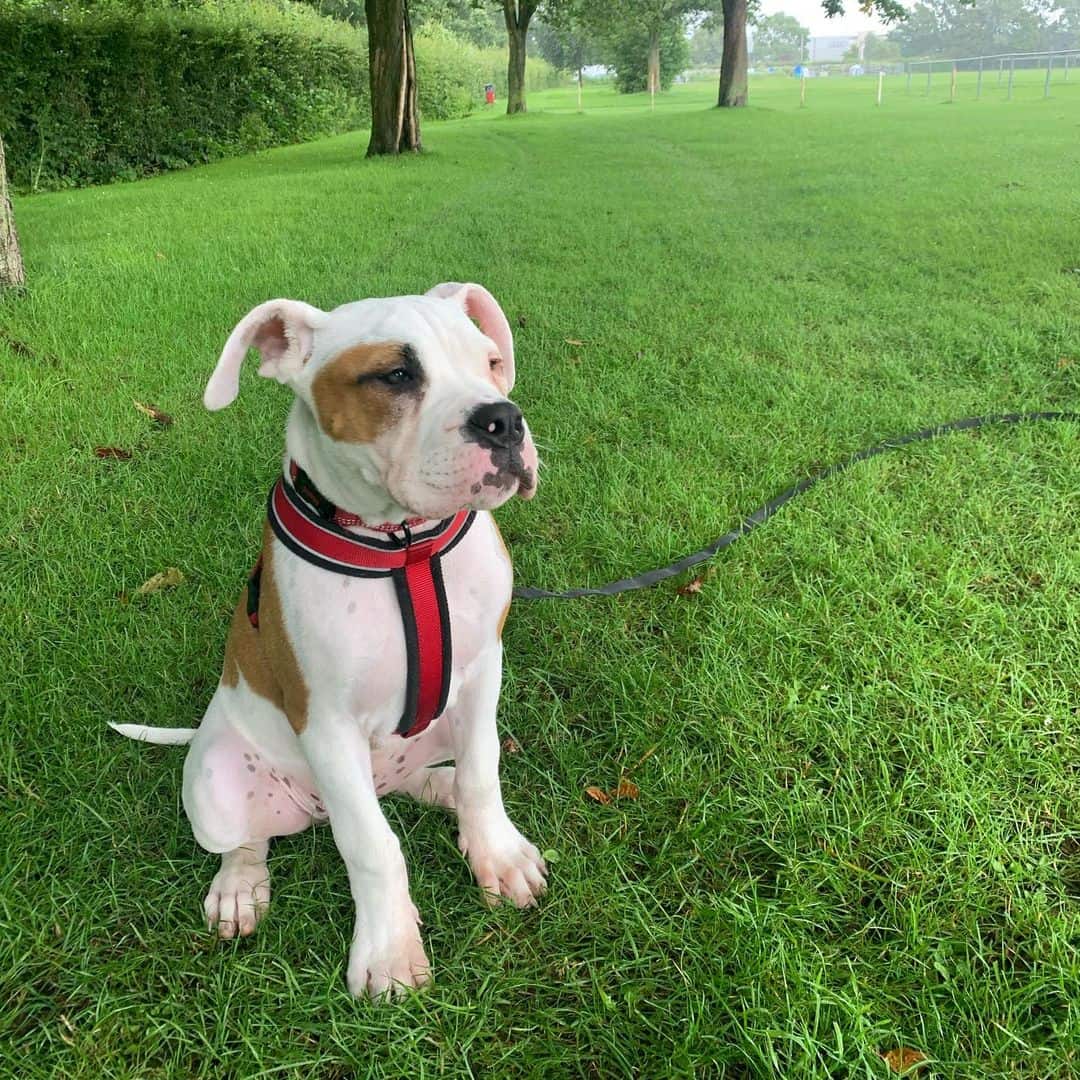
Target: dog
x,y
366,652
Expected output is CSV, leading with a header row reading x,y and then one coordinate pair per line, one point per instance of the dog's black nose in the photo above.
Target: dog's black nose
x,y
499,424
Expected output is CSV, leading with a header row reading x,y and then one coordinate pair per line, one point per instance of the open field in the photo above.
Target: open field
x,y
857,745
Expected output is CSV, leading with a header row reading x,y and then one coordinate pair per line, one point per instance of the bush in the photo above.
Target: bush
x,y
629,56
94,96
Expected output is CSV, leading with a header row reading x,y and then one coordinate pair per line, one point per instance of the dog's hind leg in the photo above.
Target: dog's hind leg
x,y
236,801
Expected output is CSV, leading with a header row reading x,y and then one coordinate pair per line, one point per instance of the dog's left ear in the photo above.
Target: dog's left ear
x,y
281,330
480,305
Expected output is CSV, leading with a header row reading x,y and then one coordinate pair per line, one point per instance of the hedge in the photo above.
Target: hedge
x,y
98,95
85,99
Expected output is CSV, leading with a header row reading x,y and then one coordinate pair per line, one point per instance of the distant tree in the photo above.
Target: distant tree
x,y
707,44
781,38
874,47
566,45
952,28
11,267
480,24
629,54
617,21
395,120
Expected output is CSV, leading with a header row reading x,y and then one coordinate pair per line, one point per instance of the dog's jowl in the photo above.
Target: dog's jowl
x,y
364,655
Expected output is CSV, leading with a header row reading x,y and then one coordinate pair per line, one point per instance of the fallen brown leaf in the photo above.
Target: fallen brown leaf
x,y
1064,362
598,795
627,789
522,321
903,1059
691,587
573,341
167,579
161,418
116,452
510,747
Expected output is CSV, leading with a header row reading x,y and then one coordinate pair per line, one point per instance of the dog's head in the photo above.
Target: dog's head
x,y
407,393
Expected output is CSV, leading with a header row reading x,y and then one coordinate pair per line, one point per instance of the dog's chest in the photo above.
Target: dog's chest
x,y
347,631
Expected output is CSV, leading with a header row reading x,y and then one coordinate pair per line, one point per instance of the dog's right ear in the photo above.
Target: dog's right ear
x,y
283,332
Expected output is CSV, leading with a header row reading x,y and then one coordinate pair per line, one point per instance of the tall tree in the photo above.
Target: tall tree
x,y
734,77
11,267
517,14
395,120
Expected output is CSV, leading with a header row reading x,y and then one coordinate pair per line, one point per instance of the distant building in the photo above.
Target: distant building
x,y
826,49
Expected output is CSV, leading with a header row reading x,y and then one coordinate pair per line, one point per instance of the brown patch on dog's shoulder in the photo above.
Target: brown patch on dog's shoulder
x,y
351,406
502,618
265,656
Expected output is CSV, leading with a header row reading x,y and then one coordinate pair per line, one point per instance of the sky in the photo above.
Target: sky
x,y
810,14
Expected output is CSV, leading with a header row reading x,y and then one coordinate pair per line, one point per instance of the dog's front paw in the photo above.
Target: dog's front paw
x,y
504,862
384,964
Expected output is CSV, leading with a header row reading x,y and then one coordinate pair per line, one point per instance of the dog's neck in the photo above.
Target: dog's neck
x,y
355,489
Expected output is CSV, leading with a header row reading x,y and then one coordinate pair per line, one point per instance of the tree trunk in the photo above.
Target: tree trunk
x,y
653,85
11,267
517,14
733,79
395,122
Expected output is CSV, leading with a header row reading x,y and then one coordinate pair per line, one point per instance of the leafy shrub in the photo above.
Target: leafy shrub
x,y
628,54
92,96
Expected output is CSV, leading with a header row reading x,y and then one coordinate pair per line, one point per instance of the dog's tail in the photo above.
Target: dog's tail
x,y
162,736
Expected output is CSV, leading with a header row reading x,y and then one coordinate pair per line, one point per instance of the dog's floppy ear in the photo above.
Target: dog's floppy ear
x,y
480,305
281,330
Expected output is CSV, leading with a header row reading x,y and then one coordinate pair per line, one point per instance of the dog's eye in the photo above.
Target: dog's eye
x,y
495,362
398,377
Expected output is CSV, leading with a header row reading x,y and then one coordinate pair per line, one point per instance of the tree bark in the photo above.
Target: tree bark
x,y
733,78
653,85
395,121
517,14
11,266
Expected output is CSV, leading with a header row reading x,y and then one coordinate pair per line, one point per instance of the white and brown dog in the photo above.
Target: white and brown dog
x,y
367,649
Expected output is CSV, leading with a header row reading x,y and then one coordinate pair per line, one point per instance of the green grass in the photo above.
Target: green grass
x,y
859,819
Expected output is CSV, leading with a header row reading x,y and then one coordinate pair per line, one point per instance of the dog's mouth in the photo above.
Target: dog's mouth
x,y
514,476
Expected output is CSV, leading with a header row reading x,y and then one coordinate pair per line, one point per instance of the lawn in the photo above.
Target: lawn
x,y
857,745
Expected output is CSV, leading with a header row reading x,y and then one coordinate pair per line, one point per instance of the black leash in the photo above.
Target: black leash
x,y
763,513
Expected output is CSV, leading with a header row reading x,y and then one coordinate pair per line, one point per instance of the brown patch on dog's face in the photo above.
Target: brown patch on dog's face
x,y
265,656
364,390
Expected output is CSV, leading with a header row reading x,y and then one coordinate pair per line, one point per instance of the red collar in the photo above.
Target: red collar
x,y
309,527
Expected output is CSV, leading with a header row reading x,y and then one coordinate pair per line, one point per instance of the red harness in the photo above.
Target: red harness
x,y
310,526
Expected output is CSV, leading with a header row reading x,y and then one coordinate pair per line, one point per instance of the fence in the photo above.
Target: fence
x,y
1004,65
